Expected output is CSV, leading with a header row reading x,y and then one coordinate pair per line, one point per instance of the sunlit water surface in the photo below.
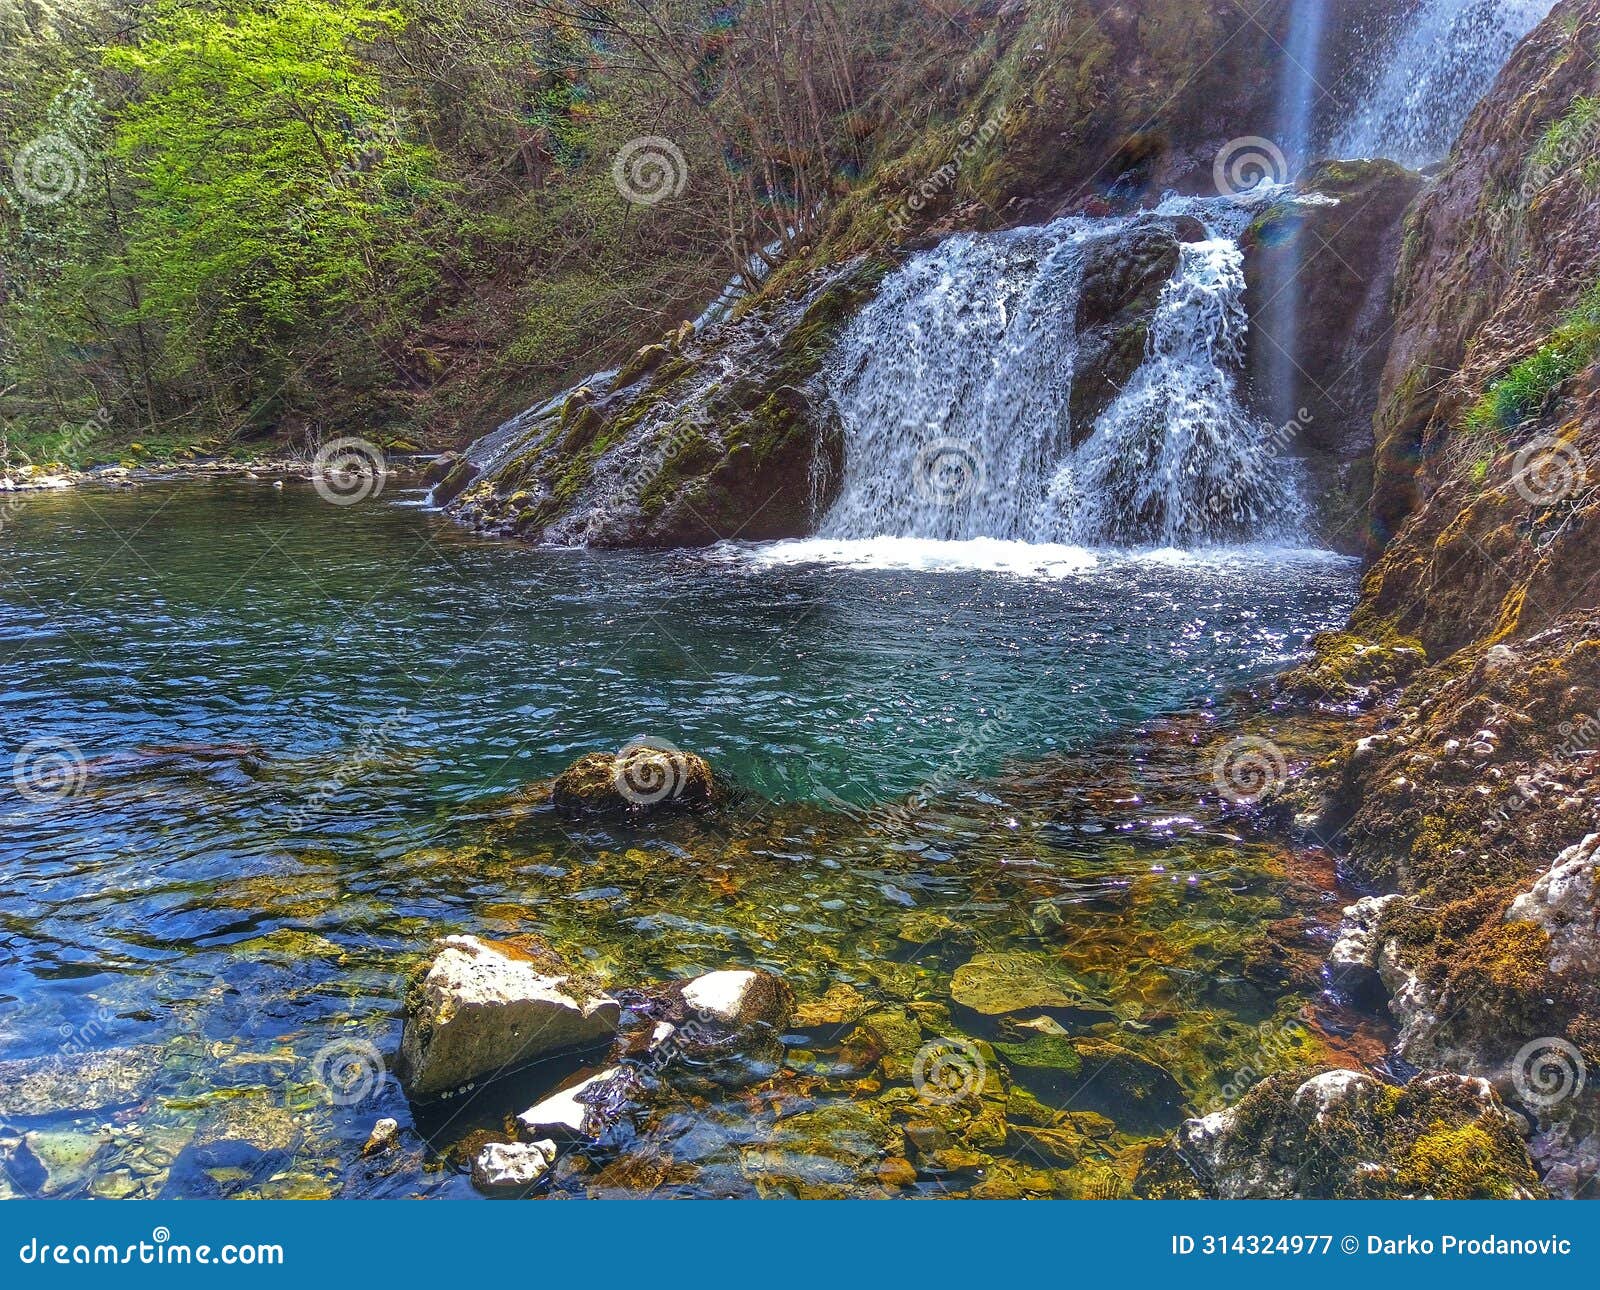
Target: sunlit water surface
x,y
303,728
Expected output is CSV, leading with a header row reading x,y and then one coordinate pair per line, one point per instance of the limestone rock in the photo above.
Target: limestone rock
x,y
485,1007
1353,961
1566,903
512,1166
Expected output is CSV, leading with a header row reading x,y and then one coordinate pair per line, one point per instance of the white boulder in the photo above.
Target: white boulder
x,y
485,1008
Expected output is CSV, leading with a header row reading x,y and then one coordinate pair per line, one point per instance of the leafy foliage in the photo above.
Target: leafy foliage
x,y
1527,387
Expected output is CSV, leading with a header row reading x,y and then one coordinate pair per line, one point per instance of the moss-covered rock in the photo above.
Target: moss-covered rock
x,y
1344,1135
642,779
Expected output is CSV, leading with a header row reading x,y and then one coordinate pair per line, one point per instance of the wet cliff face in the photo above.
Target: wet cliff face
x,y
1321,278
1475,653
1500,248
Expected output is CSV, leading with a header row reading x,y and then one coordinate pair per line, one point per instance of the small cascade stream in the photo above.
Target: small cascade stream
x,y
955,389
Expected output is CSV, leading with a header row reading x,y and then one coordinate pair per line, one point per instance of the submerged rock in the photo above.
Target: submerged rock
x,y
485,1008
512,1166
641,779
1341,1134
999,984
89,1081
585,1109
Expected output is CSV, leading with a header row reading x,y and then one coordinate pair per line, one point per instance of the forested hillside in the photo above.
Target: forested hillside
x,y
239,219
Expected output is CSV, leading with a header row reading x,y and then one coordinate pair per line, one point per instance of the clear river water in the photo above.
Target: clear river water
x,y
303,740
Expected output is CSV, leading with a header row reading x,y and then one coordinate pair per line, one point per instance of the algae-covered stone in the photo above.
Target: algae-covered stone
x,y
1093,1074
1048,1052
841,1005
1344,1134
999,984
642,779
485,1007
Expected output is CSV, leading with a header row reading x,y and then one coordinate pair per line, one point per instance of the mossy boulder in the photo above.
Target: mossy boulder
x,y
1123,277
640,780
1341,1134
482,1008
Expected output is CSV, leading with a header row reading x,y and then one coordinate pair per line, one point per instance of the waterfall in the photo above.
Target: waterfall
x,y
954,387
1439,59
1301,79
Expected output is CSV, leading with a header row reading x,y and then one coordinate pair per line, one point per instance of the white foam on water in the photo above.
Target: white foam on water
x,y
1038,560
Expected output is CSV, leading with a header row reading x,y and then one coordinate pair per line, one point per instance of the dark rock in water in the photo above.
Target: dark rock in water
x,y
439,467
725,1027
489,1007
1319,277
1344,1135
453,482
1123,277
587,1109
642,779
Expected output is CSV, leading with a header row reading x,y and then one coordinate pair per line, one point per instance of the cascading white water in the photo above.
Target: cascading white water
x,y
1176,458
954,387
1438,61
